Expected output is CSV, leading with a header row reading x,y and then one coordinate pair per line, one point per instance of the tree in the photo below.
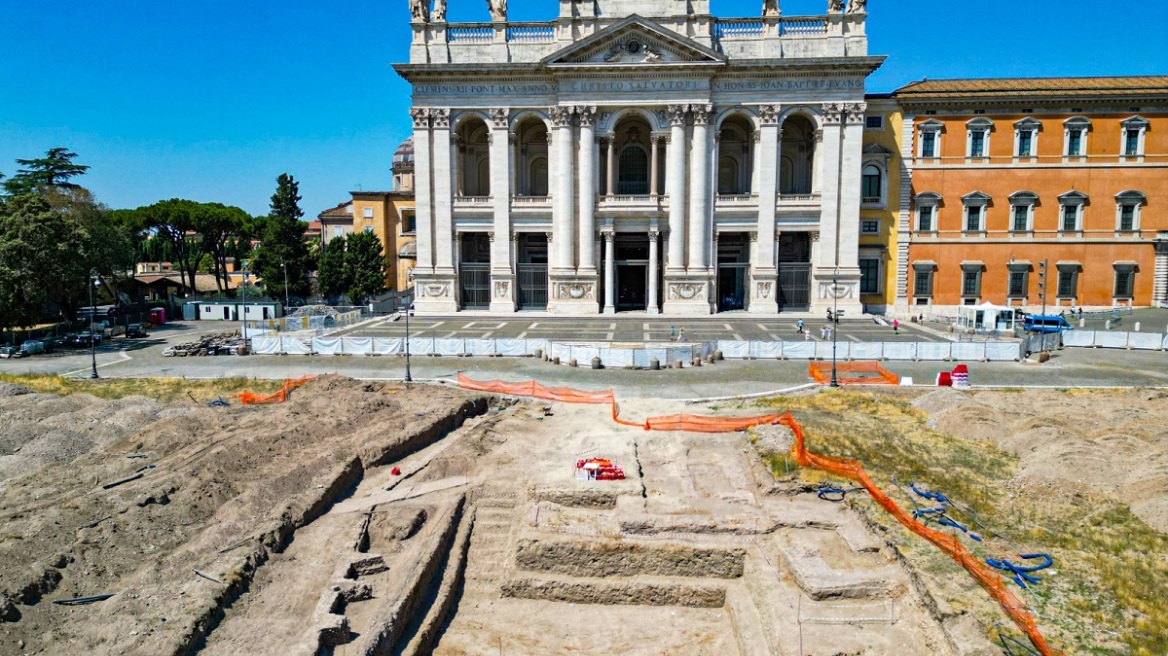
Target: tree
x,y
53,171
365,266
283,245
217,223
39,259
174,221
331,275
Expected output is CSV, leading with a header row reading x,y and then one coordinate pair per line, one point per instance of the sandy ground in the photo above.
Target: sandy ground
x,y
1114,442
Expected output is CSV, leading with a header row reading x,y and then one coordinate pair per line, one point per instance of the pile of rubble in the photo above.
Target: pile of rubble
x,y
314,311
213,344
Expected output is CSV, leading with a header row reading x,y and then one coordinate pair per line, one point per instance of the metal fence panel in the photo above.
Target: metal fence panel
x,y
930,351
1079,338
1003,351
905,351
387,346
799,350
1111,339
1145,341
969,351
734,349
868,351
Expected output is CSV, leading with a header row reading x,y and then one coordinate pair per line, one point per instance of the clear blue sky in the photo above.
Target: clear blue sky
x,y
212,99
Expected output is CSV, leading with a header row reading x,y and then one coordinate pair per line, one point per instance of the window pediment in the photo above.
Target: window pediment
x,y
931,125
1078,122
928,198
980,123
1028,123
1131,197
1074,198
1023,198
976,198
1134,123
877,153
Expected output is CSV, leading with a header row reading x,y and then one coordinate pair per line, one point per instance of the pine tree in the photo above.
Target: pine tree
x,y
331,278
365,266
53,171
282,244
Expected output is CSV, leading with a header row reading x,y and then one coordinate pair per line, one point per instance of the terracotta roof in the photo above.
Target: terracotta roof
x,y
1081,88
342,211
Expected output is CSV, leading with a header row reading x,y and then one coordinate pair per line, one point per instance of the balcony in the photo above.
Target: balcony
x,y
633,203
799,202
473,204
731,202
531,204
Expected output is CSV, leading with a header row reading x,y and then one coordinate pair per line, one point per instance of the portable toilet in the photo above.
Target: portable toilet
x,y
158,316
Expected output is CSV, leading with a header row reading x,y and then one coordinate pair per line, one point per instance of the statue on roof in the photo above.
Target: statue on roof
x,y
419,11
770,8
835,6
858,7
439,13
498,10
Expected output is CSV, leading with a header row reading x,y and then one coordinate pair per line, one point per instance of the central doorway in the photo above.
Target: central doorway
x,y
630,269
733,271
632,286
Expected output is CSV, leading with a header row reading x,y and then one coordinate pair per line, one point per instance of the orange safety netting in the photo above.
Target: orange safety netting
x,y
986,577
251,398
850,469
875,374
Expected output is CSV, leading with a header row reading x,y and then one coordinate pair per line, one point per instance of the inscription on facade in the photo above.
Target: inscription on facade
x,y
482,89
586,86
787,85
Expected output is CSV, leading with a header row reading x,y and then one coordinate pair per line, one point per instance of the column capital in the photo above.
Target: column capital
x,y
561,116
677,115
500,118
609,236
587,114
654,235
440,118
491,236
768,114
515,236
753,236
815,236
421,117
833,113
856,112
701,114
549,237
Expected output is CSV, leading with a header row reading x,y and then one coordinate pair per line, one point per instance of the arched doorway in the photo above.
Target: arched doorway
x,y
473,169
797,159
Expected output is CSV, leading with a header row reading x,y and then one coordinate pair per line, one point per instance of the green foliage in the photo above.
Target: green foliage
x,y
282,247
331,275
53,171
365,266
39,260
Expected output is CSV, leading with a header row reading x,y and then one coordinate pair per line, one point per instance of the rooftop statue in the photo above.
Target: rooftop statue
x,y
498,9
419,11
835,6
439,13
770,8
858,6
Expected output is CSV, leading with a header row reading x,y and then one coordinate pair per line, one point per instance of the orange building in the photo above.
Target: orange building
x,y
1008,174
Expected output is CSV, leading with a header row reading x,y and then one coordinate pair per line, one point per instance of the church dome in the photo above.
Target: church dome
x,y
403,158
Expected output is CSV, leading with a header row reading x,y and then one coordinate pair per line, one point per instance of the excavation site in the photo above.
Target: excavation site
x,y
368,519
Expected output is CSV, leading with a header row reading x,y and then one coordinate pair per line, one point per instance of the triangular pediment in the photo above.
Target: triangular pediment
x,y
634,41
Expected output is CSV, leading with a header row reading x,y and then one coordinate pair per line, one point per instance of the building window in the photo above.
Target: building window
x,y
1070,218
633,172
869,275
925,218
874,122
1076,136
1026,137
973,218
367,212
930,138
1071,214
1127,218
409,221
1017,284
1068,281
1022,211
1134,130
368,230
872,183
1021,218
975,207
1025,143
1127,210
1125,281
870,226
923,279
971,284
979,137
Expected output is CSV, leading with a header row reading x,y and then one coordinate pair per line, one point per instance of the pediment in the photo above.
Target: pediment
x,y
634,41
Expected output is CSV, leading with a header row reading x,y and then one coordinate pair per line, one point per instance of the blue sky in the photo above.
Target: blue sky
x,y
212,99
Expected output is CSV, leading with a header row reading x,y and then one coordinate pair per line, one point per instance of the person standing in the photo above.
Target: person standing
x,y
896,326
681,334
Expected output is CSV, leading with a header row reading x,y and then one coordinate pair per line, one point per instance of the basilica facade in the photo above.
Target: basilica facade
x,y
639,157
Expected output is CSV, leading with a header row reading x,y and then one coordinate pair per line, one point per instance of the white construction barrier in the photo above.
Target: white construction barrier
x,y
1111,340
480,347
1002,351
770,350
1081,338
903,351
615,357
798,350
823,350
358,345
293,346
512,348
387,346
734,349
328,346
1145,341
868,351
932,351
968,351
265,345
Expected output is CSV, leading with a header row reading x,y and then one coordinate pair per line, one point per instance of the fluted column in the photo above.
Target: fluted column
x,y
587,263
676,189
654,140
699,189
654,238
563,208
502,271
443,208
767,189
609,272
610,173
423,179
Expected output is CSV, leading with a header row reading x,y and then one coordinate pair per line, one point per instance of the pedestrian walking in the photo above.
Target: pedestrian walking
x,y
681,334
807,335
896,326
800,324
823,332
672,334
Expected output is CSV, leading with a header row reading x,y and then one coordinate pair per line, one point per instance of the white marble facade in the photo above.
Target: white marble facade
x,y
604,162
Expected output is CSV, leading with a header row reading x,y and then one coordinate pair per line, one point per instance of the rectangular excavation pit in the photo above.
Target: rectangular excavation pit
x,y
826,568
608,559
622,593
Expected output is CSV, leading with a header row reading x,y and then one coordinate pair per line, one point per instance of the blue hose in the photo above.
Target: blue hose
x,y
1022,574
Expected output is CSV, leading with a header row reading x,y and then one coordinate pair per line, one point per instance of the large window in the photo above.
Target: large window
x,y
1022,205
979,137
930,138
1068,281
634,172
1133,133
1070,221
869,275
872,183
923,282
1021,219
1075,136
975,211
973,216
409,221
1125,281
1071,211
1018,284
1026,137
929,144
971,283
1127,210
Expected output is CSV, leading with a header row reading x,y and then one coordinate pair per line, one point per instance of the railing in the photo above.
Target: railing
x,y
870,200
470,34
813,25
531,33
733,28
472,200
800,199
632,199
531,200
737,199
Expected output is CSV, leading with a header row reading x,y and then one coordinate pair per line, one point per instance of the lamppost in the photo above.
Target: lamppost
x,y
406,308
835,323
285,268
94,277
246,276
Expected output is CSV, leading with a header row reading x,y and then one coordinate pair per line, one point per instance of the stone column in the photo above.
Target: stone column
x,y
458,159
654,274
443,207
653,141
676,189
699,189
837,268
1160,286
563,260
609,272
422,184
587,263
610,183
502,271
756,164
763,273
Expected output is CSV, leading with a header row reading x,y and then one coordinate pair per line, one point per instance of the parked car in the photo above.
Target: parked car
x,y
82,340
135,330
33,347
11,352
53,342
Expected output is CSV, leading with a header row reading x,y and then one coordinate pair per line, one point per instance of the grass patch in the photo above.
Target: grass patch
x,y
1105,594
166,390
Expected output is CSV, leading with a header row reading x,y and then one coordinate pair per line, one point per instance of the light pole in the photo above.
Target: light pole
x,y
94,277
409,302
835,322
246,275
285,268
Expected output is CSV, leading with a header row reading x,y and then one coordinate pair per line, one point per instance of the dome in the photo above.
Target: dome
x,y
404,156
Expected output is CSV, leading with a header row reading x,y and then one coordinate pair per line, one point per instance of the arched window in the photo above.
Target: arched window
x,y
634,172
872,184
728,175
538,177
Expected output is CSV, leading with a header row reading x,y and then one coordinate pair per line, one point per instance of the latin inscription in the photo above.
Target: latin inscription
x,y
634,85
483,89
787,85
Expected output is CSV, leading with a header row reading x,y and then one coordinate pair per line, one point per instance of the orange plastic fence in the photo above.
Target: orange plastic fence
x,y
850,469
251,398
877,375
987,578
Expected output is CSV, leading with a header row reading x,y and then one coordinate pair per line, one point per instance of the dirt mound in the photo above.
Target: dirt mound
x,y
218,490
12,389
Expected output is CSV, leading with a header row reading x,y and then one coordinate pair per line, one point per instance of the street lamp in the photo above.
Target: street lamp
x,y
94,278
246,276
285,268
835,322
409,301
